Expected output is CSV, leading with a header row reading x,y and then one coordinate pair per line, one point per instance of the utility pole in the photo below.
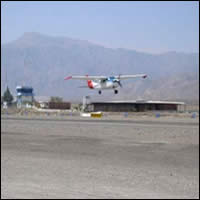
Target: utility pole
x,y
6,80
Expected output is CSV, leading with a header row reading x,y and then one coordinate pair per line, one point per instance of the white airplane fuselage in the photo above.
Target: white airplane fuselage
x,y
99,85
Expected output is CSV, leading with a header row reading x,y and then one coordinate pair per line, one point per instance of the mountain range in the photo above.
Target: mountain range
x,y
43,61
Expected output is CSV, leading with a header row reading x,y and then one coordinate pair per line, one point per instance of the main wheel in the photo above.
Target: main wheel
x,y
116,91
99,91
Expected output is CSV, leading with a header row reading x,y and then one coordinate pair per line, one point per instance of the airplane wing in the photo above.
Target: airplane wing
x,y
122,77
86,77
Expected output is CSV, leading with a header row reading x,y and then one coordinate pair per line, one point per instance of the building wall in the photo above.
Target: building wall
x,y
27,99
23,100
59,105
110,107
188,108
132,107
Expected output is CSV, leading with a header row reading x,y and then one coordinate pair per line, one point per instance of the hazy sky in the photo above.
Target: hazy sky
x,y
153,27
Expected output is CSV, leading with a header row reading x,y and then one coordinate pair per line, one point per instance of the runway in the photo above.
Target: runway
x,y
102,121
97,158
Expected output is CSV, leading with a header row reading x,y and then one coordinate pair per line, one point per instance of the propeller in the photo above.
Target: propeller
x,y
118,81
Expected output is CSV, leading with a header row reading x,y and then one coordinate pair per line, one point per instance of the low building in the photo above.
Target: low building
x,y
42,101
46,102
134,106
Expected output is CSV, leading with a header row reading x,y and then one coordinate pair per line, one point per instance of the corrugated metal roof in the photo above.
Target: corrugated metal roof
x,y
142,101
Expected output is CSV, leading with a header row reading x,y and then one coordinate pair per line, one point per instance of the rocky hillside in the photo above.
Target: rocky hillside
x,y
43,61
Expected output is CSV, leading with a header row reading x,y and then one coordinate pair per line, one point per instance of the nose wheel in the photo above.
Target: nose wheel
x,y
116,91
99,91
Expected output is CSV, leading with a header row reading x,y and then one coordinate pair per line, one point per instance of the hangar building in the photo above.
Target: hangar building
x,y
134,106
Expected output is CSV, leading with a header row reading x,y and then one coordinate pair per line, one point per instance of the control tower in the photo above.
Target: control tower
x,y
24,95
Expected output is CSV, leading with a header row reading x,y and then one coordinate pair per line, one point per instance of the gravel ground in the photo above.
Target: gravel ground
x,y
91,159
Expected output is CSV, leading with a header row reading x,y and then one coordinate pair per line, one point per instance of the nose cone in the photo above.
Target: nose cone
x,y
90,85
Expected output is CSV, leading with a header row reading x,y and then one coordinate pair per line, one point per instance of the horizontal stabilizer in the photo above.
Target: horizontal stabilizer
x,y
86,77
84,86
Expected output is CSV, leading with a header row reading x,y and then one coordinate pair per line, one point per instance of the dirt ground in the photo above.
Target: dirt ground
x,y
118,156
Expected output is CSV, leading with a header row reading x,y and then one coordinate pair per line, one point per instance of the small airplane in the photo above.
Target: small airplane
x,y
104,82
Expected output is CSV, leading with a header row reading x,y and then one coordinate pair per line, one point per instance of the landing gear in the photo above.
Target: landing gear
x,y
99,91
116,91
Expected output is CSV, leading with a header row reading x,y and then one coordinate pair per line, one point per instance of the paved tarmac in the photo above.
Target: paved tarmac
x,y
69,158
